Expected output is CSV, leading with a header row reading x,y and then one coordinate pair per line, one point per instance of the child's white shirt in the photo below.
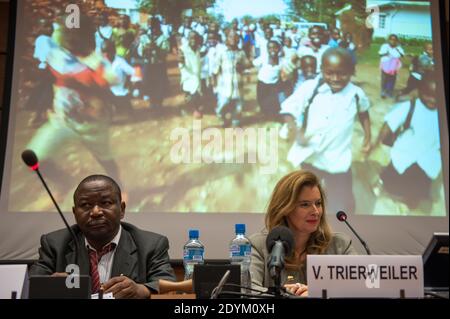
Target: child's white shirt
x,y
267,73
329,131
122,69
392,52
420,143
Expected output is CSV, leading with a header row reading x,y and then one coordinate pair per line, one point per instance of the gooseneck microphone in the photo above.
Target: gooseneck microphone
x,y
279,242
31,160
216,291
342,217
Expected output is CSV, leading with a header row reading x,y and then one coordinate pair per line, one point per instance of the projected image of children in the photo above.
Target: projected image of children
x,y
203,108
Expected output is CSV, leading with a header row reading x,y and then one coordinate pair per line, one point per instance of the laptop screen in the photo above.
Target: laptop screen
x,y
207,277
435,262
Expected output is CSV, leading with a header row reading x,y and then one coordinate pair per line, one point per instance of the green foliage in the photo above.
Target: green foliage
x,y
413,41
271,18
172,10
324,10
405,42
249,18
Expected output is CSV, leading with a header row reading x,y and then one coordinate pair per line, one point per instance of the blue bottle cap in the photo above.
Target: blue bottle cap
x,y
193,233
240,228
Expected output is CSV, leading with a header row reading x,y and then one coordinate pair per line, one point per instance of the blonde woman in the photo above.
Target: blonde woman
x,y
298,202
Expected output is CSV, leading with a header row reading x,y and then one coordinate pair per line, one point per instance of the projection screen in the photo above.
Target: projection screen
x,y
148,92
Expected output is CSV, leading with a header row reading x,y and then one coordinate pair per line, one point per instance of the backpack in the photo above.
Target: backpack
x,y
310,100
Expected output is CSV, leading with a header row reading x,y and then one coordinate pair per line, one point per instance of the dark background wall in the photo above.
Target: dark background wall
x,y
4,18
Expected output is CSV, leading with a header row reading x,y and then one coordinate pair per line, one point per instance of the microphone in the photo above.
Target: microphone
x,y
31,160
342,217
280,243
216,291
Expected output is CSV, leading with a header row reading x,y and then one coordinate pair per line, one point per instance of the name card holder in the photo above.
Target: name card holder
x,y
352,276
325,296
13,281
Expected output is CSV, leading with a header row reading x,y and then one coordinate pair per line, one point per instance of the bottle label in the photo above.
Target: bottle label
x,y
194,254
240,250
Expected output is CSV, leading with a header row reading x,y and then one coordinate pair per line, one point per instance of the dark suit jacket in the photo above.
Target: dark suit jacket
x,y
140,255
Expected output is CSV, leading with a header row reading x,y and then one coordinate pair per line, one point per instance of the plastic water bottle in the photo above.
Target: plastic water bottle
x,y
193,252
240,254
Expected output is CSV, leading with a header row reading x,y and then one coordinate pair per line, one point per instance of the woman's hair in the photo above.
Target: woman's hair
x,y
284,201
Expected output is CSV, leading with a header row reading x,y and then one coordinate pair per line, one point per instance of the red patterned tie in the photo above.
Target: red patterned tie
x,y
94,258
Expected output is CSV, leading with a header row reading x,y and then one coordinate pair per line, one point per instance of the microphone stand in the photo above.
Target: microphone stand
x,y
277,294
360,239
275,274
216,291
247,295
261,295
276,265
60,214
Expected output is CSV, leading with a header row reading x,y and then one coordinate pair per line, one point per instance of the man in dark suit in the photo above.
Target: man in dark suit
x,y
119,257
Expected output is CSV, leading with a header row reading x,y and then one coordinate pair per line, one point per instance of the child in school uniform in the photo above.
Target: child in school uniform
x,y
295,36
420,64
288,50
415,154
214,48
268,88
156,82
322,114
123,70
184,30
190,64
288,53
209,60
231,63
314,46
347,43
390,64
335,38
306,70
262,41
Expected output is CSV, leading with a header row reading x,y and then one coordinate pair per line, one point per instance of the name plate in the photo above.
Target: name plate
x,y
353,276
13,281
